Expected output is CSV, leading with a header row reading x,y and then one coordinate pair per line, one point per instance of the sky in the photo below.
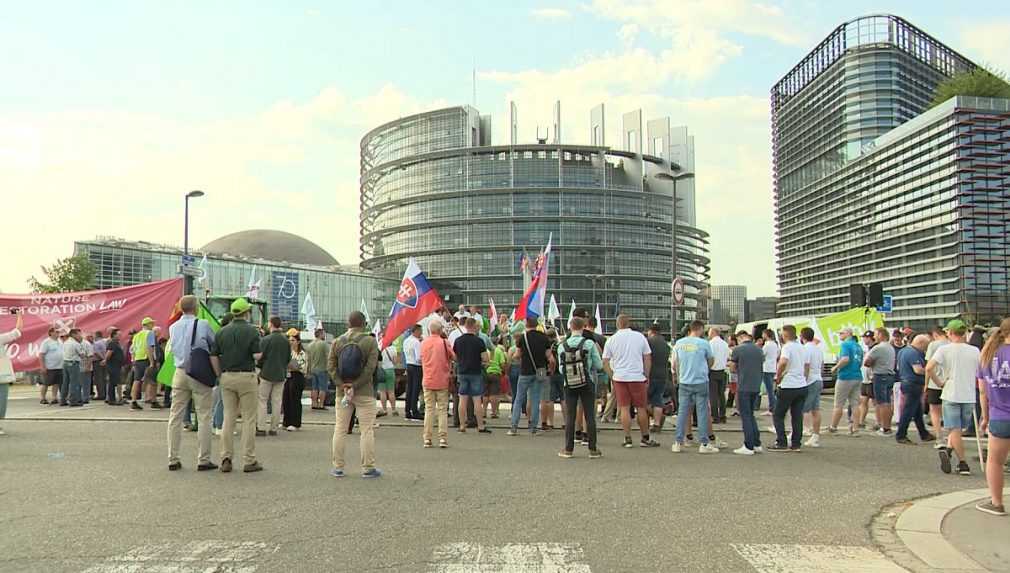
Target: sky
x,y
110,112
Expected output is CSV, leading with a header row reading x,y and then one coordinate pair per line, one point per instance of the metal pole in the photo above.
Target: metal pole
x,y
187,280
674,327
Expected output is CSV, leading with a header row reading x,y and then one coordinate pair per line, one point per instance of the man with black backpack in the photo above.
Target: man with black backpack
x,y
578,358
352,363
185,334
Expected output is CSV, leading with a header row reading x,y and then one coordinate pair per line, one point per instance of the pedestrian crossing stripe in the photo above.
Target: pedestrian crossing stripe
x,y
775,558
509,558
187,557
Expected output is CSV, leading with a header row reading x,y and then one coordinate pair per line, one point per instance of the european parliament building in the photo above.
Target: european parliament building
x,y
871,187
434,187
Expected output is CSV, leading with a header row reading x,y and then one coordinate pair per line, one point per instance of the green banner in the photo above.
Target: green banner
x,y
168,368
858,319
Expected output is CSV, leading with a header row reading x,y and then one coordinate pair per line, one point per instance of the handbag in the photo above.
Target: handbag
x,y
199,367
540,372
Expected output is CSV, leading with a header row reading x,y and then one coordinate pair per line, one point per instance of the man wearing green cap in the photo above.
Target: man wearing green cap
x,y
144,349
953,368
237,348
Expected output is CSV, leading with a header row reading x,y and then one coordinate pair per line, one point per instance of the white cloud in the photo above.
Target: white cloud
x,y
78,174
551,13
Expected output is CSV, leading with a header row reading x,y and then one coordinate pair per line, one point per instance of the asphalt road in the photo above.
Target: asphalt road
x,y
96,496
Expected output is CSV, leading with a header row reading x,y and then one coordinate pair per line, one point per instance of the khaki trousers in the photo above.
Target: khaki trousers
x,y
436,402
364,407
183,389
238,394
269,392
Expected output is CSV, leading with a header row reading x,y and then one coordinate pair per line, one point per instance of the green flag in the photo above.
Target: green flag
x,y
168,368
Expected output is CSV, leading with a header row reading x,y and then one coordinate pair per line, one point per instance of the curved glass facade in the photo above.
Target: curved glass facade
x,y
467,213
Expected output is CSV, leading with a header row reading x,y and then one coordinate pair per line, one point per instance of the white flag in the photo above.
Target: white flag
x,y
253,288
494,316
599,321
203,270
364,311
377,331
571,314
553,312
309,310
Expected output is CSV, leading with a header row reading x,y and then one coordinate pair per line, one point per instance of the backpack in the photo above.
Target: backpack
x,y
351,361
573,365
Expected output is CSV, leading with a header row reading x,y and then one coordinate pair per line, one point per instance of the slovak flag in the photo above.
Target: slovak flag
x,y
531,305
415,299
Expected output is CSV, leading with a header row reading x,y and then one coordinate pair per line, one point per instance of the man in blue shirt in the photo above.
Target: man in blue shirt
x,y
692,357
184,387
849,376
912,374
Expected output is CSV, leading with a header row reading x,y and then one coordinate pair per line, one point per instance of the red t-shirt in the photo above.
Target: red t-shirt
x,y
435,363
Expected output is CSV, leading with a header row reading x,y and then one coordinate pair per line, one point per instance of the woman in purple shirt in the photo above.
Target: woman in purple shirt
x,y
994,393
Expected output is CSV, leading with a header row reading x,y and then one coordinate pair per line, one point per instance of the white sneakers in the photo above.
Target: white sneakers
x,y
743,451
759,450
676,448
291,428
708,449
814,441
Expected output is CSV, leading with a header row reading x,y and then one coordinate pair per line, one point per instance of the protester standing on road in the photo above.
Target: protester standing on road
x,y
387,389
472,355
114,361
747,361
881,360
791,388
99,369
690,361
933,391
318,352
994,393
7,367
659,377
412,356
717,375
294,386
51,361
436,359
959,362
815,385
912,374
186,334
237,347
275,356
73,355
627,359
532,347
578,358
353,360
771,354
848,380
144,348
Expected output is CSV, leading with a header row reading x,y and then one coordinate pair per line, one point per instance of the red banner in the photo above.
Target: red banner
x,y
93,310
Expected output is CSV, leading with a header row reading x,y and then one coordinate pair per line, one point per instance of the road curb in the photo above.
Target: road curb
x,y
917,533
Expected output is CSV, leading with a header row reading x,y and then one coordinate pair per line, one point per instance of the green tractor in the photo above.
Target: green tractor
x,y
219,305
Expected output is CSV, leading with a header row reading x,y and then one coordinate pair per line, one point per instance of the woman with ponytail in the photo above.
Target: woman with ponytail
x,y
994,393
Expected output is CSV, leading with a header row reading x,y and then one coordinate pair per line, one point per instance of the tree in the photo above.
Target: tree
x,y
76,273
980,82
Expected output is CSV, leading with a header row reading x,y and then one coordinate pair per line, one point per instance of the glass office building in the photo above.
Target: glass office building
x,y
728,304
285,278
435,189
865,88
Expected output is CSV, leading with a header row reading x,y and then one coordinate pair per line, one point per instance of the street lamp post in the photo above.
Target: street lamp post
x,y
185,236
673,250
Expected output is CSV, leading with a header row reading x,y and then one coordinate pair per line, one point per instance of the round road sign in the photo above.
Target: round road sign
x,y
677,290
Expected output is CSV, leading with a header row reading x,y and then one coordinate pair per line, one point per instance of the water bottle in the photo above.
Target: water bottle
x,y
347,398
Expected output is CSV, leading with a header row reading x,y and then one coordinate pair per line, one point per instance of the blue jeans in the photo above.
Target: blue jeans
x,y
527,385
911,411
218,420
4,391
696,395
86,386
747,402
768,379
72,383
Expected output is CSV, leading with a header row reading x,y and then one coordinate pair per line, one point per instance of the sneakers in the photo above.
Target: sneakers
x,y
832,430
759,450
372,474
744,451
443,443
882,432
226,465
777,448
564,454
174,466
336,473
708,449
650,443
905,441
676,448
427,443
206,466
155,405
988,507
512,431
944,454
484,430
627,442
963,469
595,454
814,441
253,467
133,406
291,428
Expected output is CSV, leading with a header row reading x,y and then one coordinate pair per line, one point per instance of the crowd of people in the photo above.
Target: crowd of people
x,y
454,371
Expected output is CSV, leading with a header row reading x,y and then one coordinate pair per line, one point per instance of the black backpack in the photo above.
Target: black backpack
x,y
573,364
351,361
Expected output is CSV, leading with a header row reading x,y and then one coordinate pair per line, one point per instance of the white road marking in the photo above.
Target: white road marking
x,y
192,557
509,558
772,558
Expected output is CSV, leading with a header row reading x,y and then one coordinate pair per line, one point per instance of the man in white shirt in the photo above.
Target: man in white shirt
x,y
771,353
958,363
791,382
717,376
932,390
626,359
412,356
73,355
815,385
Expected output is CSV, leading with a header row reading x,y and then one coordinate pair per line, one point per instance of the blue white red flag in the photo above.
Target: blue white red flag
x,y
415,299
531,305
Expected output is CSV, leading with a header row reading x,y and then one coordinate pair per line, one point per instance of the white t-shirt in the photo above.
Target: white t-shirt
x,y
960,368
797,357
771,352
930,351
387,358
815,358
867,374
626,350
720,351
456,333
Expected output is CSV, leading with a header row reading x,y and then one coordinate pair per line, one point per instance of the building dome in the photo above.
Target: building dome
x,y
271,246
